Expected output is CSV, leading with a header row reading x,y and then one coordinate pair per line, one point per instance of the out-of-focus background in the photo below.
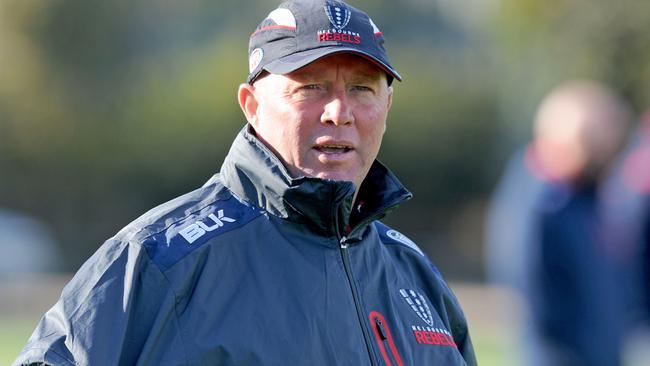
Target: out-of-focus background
x,y
108,108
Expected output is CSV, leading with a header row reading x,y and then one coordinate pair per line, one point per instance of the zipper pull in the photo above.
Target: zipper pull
x,y
343,243
380,329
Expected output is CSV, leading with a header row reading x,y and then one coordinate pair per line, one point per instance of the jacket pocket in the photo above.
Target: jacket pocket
x,y
385,340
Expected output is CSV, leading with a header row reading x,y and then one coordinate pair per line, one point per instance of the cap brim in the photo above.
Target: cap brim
x,y
297,60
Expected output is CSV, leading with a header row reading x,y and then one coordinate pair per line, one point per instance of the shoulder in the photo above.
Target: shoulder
x,y
174,229
161,216
427,277
390,236
395,239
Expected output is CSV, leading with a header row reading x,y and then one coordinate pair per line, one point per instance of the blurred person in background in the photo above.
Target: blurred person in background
x,y
543,231
279,259
27,245
626,217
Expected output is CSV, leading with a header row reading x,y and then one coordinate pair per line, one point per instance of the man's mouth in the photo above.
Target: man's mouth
x,y
333,148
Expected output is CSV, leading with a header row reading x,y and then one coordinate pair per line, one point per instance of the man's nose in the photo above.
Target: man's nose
x,y
338,110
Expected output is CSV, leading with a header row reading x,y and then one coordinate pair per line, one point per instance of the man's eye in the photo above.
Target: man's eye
x,y
312,87
362,88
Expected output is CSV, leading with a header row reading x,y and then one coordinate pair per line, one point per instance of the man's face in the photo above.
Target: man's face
x,y
324,120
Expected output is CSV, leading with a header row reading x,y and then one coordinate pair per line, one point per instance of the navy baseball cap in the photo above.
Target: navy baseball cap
x,y
299,32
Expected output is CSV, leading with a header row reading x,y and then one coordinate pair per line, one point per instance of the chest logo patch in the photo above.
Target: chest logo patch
x,y
418,304
429,334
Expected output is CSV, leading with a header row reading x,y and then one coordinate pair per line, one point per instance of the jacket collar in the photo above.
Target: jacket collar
x,y
253,173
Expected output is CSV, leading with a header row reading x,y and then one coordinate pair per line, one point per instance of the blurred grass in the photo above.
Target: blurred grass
x,y
13,336
491,351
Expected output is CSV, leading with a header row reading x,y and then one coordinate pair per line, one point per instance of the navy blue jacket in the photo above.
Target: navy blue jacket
x,y
576,296
258,268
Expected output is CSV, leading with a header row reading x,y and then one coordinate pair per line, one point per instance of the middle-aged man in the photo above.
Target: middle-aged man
x,y
279,259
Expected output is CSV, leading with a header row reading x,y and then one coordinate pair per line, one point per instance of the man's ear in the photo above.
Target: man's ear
x,y
248,103
389,103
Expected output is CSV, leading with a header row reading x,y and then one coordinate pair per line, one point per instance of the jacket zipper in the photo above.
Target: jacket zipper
x,y
355,297
345,255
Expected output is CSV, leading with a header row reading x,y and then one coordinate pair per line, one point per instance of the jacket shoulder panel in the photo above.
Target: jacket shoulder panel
x,y
392,236
173,229
160,217
182,236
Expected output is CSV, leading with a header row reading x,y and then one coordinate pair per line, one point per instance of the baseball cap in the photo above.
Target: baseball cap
x,y
299,32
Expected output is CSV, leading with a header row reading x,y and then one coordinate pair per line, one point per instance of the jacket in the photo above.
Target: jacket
x,y
574,272
258,268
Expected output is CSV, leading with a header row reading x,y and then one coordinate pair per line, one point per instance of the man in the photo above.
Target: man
x,y
545,234
279,259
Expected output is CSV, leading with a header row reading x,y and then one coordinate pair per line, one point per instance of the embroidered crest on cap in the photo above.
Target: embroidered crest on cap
x,y
338,15
419,304
255,59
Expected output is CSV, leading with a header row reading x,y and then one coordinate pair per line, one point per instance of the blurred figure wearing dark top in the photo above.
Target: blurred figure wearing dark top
x,y
626,215
543,228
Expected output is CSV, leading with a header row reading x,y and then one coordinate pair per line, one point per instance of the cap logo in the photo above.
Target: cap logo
x,y
338,15
255,59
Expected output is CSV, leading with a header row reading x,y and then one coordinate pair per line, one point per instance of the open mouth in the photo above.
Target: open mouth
x,y
333,149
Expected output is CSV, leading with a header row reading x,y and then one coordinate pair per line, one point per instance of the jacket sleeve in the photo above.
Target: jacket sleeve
x,y
453,316
459,329
118,309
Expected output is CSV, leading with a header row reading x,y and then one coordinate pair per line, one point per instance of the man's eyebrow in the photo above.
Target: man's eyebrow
x,y
363,76
305,76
